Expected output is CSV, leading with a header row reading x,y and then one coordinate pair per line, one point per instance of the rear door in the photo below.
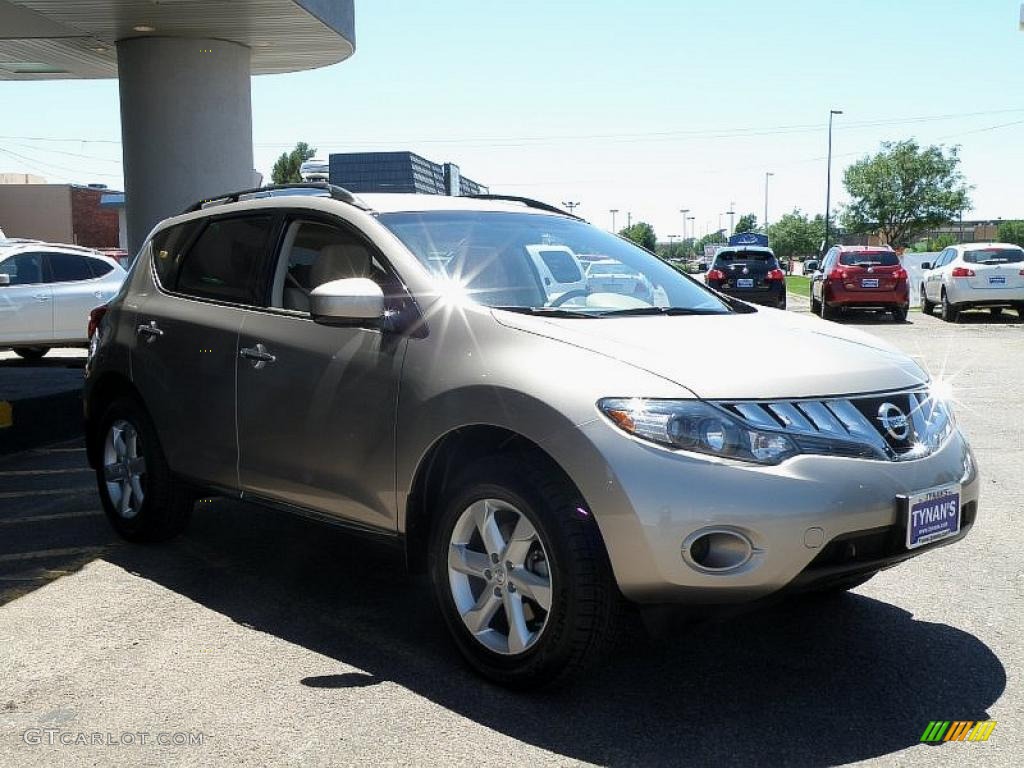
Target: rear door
x,y
210,272
316,415
26,304
995,268
76,291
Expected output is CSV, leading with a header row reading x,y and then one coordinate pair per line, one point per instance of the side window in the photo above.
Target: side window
x,y
99,268
315,253
24,269
168,248
224,262
68,267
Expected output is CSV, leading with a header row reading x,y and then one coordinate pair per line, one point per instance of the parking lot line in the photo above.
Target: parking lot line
x,y
28,472
55,516
48,492
44,553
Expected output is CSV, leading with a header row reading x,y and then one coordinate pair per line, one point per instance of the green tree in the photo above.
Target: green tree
x,y
795,235
747,223
642,234
934,244
286,169
904,190
1012,232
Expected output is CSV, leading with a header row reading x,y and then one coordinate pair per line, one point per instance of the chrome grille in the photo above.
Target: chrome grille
x,y
853,426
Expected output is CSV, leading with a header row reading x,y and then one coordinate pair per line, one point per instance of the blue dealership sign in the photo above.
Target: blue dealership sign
x,y
749,238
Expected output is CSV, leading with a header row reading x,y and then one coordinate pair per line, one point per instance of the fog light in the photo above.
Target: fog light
x,y
717,550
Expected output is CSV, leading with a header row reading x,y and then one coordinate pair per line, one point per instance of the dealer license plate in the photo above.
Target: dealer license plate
x,y
745,282
933,515
869,282
998,280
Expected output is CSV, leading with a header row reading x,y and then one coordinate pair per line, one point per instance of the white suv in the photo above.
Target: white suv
x,y
47,291
974,275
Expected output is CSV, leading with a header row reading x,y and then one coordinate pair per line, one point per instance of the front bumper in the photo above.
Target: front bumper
x,y
647,501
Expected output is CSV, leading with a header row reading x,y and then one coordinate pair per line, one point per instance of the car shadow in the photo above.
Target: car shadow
x,y
806,683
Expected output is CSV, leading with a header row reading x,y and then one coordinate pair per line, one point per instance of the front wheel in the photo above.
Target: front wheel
x,y
949,312
31,353
926,306
521,575
141,497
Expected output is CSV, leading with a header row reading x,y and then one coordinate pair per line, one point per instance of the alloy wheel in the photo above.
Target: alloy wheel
x,y
500,576
124,467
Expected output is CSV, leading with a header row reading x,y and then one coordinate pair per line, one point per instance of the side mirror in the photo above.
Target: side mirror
x,y
5,279
811,266
349,301
926,265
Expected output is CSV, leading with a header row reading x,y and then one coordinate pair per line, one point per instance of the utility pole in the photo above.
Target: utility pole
x,y
571,206
629,219
767,175
613,211
828,175
684,211
732,218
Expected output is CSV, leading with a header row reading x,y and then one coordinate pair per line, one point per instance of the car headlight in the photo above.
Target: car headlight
x,y
692,425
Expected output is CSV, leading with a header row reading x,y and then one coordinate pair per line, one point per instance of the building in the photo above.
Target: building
x,y
184,69
399,172
59,213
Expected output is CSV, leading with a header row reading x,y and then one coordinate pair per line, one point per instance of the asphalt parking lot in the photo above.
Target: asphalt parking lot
x,y
260,639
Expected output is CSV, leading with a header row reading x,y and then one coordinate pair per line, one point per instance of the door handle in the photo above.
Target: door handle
x,y
151,332
258,355
42,297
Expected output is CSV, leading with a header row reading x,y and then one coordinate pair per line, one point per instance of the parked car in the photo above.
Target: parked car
x,y
559,270
974,275
611,276
47,291
546,461
749,272
859,277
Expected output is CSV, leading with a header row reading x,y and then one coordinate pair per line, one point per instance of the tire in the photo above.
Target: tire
x,y
949,312
826,312
926,306
996,311
144,501
31,353
1020,310
815,305
899,314
584,611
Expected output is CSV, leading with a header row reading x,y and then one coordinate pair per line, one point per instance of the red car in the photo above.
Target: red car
x,y
859,276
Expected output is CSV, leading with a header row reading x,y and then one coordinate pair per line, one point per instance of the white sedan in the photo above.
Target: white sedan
x,y
47,291
974,275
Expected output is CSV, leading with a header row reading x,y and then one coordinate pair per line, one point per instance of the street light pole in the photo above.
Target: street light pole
x,y
828,175
684,211
767,175
613,211
571,206
629,219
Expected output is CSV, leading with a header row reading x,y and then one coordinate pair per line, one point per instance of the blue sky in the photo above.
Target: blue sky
x,y
646,106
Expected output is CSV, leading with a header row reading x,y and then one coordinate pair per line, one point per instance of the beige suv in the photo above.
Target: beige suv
x,y
397,365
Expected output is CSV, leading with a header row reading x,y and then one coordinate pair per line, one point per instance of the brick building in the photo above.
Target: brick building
x,y
58,213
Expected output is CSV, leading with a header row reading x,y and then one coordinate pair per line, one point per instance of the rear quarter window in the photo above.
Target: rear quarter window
x,y
168,249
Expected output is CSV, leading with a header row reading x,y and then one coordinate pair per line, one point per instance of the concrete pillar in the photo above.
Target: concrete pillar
x,y
186,125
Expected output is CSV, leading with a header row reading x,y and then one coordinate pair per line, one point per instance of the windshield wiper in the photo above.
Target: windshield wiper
x,y
548,312
661,311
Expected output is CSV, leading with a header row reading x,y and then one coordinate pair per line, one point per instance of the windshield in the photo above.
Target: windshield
x,y
994,256
488,255
870,259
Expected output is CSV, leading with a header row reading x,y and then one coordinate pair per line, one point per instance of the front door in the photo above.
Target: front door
x,y
316,403
26,303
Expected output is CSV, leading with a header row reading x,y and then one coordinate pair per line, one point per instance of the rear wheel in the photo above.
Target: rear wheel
x,y
926,306
949,312
815,304
141,497
996,311
899,314
827,313
1020,310
521,575
31,353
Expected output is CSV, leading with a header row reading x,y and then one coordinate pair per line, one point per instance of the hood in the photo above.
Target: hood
x,y
762,355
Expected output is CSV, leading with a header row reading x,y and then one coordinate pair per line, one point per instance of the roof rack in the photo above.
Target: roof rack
x,y
527,201
320,188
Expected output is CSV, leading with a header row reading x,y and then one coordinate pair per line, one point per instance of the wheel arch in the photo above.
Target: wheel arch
x,y
108,387
439,466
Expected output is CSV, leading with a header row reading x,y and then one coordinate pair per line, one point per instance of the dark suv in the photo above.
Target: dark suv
x,y
859,276
751,273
